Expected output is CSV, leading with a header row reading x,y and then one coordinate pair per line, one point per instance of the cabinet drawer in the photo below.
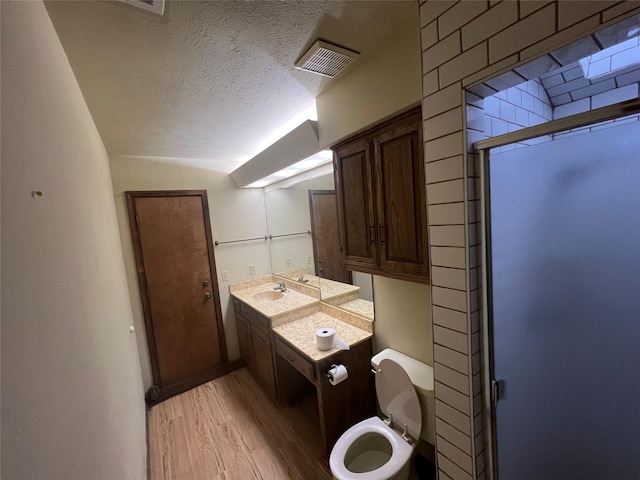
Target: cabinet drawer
x,y
294,358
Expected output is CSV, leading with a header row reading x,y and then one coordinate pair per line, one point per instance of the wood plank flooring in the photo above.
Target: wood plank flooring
x,y
230,428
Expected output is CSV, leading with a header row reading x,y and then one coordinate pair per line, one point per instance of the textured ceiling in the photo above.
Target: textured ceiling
x,y
209,79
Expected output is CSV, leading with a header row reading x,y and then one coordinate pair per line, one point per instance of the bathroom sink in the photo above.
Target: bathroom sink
x,y
270,296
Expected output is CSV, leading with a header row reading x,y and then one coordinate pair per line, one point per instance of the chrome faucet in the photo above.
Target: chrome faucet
x,y
301,279
281,286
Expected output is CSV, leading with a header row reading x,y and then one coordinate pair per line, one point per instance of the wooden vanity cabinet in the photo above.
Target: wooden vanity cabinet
x,y
254,339
244,339
380,182
339,406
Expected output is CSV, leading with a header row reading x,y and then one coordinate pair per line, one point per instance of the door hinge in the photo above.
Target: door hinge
x,y
495,392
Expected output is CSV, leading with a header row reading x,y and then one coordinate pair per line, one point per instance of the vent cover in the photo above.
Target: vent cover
x,y
326,59
155,6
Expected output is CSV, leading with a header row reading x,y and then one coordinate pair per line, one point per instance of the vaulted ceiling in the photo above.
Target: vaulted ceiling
x,y
209,79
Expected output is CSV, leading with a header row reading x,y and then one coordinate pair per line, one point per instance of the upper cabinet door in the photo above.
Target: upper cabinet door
x,y
401,198
356,205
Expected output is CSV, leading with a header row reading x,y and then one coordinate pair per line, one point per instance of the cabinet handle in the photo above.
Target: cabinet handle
x,y
371,233
381,229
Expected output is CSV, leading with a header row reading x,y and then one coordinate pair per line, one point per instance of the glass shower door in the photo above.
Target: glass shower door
x,y
565,271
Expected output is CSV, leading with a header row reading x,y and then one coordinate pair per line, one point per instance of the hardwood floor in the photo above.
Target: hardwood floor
x,y
230,429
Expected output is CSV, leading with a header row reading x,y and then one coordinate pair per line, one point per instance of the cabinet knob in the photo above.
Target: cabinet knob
x,y
207,295
205,283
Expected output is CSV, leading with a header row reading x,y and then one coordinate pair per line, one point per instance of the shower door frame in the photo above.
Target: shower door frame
x,y
481,148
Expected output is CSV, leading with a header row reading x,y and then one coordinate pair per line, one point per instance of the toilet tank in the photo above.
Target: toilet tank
x,y
421,376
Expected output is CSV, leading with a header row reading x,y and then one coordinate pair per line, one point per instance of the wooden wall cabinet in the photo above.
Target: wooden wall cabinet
x,y
382,207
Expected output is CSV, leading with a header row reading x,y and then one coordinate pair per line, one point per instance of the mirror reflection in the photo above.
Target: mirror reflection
x,y
305,244
289,227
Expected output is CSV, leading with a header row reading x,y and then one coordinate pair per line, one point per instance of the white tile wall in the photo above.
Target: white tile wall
x,y
489,23
453,417
448,256
531,29
452,319
442,170
513,36
446,214
452,359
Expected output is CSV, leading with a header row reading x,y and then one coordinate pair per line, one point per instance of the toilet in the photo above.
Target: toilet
x,y
382,448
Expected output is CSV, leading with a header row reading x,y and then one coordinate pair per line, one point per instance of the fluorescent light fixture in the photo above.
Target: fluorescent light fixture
x,y
317,172
304,165
612,59
301,143
295,119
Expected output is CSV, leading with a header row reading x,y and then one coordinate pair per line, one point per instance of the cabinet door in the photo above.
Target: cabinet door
x,y
244,340
355,204
401,198
263,359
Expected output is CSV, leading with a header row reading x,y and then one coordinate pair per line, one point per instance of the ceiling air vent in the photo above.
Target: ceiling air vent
x,y
326,59
155,6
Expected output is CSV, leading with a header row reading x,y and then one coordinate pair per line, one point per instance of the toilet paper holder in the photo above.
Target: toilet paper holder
x,y
329,375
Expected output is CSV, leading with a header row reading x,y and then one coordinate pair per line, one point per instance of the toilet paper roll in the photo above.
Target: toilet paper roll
x,y
325,338
337,374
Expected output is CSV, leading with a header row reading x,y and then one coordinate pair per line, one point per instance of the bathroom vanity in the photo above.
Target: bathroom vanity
x,y
276,332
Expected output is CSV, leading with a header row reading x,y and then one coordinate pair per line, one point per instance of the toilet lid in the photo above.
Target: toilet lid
x,y
398,398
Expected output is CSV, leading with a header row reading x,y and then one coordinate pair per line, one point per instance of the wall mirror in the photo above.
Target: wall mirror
x,y
305,244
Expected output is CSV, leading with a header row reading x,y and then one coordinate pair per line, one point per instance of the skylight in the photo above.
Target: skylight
x,y
612,59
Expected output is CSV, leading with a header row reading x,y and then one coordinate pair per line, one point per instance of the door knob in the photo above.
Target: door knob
x,y
205,283
207,295
320,260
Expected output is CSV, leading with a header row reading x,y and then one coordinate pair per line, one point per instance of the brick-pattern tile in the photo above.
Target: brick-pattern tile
x,y
499,42
489,23
528,31
460,14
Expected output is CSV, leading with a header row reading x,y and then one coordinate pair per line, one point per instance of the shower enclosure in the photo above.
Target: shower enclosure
x,y
562,297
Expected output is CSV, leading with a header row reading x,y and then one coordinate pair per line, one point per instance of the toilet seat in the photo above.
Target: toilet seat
x,y
401,451
398,400
397,397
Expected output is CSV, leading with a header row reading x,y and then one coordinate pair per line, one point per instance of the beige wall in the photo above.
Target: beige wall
x,y
72,398
403,317
463,44
235,214
376,89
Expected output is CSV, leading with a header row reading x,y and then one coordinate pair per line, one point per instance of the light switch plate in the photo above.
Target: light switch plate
x,y
252,269
288,263
225,276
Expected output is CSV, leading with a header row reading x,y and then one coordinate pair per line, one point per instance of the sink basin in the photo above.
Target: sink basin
x,y
270,296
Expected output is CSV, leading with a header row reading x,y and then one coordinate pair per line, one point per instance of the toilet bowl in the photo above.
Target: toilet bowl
x,y
377,449
370,450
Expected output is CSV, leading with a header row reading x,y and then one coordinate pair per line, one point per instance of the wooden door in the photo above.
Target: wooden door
x,y
401,198
355,196
176,273
329,260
